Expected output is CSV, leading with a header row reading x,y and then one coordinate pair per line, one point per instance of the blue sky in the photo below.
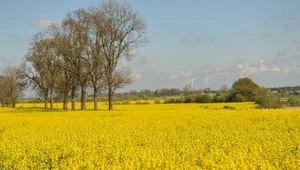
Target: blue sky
x,y
187,39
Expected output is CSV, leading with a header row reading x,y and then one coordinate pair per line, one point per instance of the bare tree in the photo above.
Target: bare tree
x,y
39,68
67,80
122,32
223,89
84,50
187,89
62,88
121,78
95,58
3,91
75,41
13,86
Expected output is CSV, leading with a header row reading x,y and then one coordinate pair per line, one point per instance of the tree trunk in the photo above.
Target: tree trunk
x,y
110,95
13,102
95,99
51,99
65,105
83,97
73,104
73,97
46,100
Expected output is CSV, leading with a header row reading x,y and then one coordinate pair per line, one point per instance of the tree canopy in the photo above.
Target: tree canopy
x,y
244,89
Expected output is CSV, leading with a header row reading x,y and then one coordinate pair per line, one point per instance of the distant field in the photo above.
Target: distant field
x,y
155,136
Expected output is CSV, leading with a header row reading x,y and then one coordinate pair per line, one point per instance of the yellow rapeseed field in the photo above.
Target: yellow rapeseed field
x,y
161,136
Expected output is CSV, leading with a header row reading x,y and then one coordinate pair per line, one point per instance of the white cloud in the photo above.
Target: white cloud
x,y
178,75
257,67
261,61
276,69
43,23
240,66
137,76
184,74
9,59
173,76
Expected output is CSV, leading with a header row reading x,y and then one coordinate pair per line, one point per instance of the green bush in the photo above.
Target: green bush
x,y
269,102
188,99
205,107
178,101
239,98
219,98
122,103
229,108
139,103
169,101
172,101
126,103
293,101
157,102
204,98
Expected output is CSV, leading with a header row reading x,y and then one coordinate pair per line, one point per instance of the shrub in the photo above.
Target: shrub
x,y
122,103
188,100
293,101
205,98
157,102
126,103
178,101
239,98
219,98
172,101
169,101
139,103
205,107
229,108
268,102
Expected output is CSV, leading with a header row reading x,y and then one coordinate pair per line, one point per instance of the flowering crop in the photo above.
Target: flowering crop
x,y
175,136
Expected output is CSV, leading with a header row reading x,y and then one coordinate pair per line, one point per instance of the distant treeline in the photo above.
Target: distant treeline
x,y
158,93
286,91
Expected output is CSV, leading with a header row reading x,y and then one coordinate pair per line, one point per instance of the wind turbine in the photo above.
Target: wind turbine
x,y
187,82
206,83
242,76
192,82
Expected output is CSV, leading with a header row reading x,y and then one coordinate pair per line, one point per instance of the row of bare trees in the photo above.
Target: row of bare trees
x,y
84,51
10,87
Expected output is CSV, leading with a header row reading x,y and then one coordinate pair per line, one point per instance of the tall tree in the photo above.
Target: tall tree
x,y
67,80
75,40
244,89
39,68
95,58
13,85
3,91
122,32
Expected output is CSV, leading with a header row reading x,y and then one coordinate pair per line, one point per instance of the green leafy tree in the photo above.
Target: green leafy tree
x,y
244,89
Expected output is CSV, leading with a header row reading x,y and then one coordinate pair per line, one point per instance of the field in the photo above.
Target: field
x,y
162,136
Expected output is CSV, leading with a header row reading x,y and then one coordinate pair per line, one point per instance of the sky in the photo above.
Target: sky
x,y
187,39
